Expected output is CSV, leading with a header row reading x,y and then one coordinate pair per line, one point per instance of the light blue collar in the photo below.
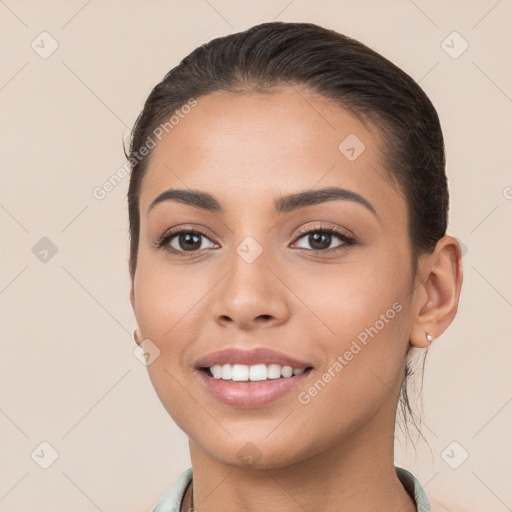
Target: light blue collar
x,y
171,502
414,488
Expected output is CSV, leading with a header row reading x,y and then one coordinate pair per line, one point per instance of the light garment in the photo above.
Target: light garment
x,y
171,502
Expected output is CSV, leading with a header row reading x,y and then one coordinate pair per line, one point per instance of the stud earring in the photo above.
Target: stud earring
x,y
429,338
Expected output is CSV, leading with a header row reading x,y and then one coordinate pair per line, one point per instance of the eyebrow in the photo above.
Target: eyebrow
x,y
285,204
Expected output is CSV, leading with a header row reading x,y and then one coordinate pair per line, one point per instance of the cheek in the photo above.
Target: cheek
x,y
363,365
346,299
168,300
168,313
361,325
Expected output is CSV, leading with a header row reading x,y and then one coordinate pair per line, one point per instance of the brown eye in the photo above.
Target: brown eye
x,y
320,240
184,241
188,241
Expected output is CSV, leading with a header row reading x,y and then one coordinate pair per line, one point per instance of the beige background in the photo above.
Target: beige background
x,y
68,373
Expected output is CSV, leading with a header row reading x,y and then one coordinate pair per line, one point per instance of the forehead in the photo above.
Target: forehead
x,y
255,147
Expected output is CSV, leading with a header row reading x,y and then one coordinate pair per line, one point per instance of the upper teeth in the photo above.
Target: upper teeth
x,y
243,372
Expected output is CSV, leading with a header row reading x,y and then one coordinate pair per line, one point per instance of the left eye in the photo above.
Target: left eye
x,y
321,239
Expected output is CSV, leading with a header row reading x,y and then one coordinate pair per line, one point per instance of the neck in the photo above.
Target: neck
x,y
357,474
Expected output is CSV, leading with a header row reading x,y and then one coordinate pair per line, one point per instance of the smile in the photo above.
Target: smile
x,y
253,373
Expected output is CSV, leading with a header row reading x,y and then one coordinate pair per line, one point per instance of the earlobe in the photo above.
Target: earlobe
x,y
137,336
421,340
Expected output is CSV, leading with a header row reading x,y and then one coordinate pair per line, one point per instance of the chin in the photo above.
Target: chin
x,y
244,453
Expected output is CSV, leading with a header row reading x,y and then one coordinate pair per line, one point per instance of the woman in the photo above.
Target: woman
x,y
288,209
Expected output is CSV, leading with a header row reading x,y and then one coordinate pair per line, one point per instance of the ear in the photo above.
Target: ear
x,y
436,297
137,337
136,333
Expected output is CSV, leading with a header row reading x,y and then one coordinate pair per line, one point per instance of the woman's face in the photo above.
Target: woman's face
x,y
264,274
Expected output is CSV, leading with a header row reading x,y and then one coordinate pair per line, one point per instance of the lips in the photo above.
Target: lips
x,y
246,393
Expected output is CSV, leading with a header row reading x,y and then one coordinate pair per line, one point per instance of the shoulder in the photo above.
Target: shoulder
x,y
171,501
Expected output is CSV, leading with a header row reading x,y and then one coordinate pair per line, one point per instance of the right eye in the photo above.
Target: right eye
x,y
183,242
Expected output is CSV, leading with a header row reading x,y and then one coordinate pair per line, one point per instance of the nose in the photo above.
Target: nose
x,y
251,295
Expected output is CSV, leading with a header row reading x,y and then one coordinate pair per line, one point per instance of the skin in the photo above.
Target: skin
x,y
336,452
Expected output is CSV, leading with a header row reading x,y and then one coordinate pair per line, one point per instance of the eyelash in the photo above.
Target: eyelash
x,y
163,241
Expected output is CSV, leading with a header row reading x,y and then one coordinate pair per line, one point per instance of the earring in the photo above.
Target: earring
x,y
429,338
